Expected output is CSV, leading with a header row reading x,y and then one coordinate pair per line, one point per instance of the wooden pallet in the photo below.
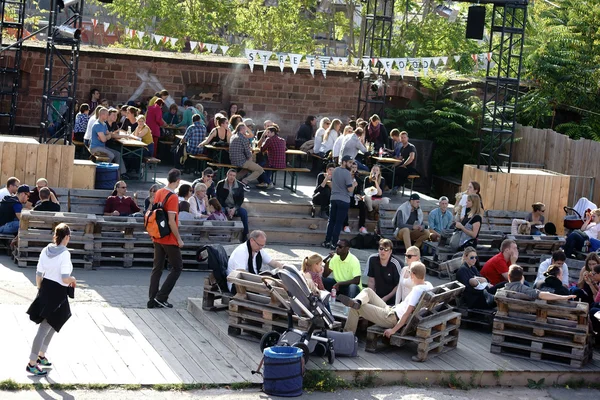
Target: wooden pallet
x,y
211,293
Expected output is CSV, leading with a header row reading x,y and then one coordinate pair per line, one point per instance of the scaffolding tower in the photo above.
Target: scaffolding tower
x,y
12,19
376,42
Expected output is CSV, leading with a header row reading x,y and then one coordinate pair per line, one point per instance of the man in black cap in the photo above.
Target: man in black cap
x,y
409,222
10,210
342,187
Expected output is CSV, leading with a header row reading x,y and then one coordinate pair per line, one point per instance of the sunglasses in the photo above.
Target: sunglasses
x,y
384,249
409,256
473,258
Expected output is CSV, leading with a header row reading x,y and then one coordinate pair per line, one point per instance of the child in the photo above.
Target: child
x,y
312,267
184,211
215,210
81,122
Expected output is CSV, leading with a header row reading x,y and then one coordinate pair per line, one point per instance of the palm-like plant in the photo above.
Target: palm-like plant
x,y
446,113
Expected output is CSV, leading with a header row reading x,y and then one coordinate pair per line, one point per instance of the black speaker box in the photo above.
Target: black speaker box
x,y
475,22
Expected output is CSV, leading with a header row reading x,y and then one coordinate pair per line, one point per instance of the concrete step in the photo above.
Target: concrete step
x,y
296,236
301,221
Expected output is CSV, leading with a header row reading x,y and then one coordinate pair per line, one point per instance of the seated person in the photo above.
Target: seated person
x,y
515,284
589,230
150,199
405,283
536,218
251,256
230,193
10,210
207,178
215,211
322,193
345,268
471,223
439,219
120,205
553,284
478,292
194,135
34,196
376,181
199,202
184,211
145,134
495,270
595,307
409,222
369,306
586,277
520,227
12,184
312,267
100,136
559,259
384,272
45,203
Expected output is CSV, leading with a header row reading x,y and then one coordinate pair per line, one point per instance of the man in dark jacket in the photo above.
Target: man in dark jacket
x,y
230,193
306,130
10,210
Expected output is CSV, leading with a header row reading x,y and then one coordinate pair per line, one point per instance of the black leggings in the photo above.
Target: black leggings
x,y
362,213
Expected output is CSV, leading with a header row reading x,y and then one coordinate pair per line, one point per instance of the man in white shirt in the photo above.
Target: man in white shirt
x,y
12,184
240,258
559,258
372,308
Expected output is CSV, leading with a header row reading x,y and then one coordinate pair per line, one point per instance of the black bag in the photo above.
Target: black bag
x,y
217,259
370,241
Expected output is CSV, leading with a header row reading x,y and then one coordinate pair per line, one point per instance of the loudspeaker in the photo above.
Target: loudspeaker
x,y
475,22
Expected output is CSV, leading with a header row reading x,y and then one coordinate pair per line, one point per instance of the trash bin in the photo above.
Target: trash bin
x,y
107,175
283,371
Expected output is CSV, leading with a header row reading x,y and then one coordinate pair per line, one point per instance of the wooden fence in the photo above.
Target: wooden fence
x,y
559,153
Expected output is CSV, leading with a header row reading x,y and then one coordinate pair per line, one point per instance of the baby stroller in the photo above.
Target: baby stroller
x,y
576,215
306,305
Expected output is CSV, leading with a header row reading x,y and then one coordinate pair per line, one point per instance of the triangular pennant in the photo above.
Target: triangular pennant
x,y
106,26
343,60
456,58
474,57
387,65
436,61
251,56
164,39
193,45
324,60
295,61
414,64
173,41
94,22
426,63
282,57
366,61
212,47
374,61
201,47
157,38
127,31
401,64
140,34
132,32
489,56
224,49
264,56
445,60
311,64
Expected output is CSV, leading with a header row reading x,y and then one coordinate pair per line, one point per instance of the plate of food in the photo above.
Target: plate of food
x,y
371,191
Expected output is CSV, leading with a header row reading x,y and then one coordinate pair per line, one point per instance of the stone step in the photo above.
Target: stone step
x,y
278,235
301,221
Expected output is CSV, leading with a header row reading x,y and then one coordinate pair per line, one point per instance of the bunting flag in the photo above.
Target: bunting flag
x,y
311,64
127,31
324,60
387,65
264,56
94,22
489,56
341,60
295,61
445,60
251,56
106,26
173,41
436,61
426,63
132,32
157,38
140,34
201,47
282,57
193,45
456,58
212,47
366,61
401,64
414,64
474,57
224,49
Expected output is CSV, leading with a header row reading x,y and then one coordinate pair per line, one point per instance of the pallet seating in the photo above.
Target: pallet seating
x,y
211,293
536,244
500,220
5,241
553,331
36,232
433,325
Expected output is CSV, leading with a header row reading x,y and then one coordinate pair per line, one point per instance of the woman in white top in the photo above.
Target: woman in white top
x,y
330,136
323,125
336,152
88,131
50,309
589,230
405,284
198,202
461,205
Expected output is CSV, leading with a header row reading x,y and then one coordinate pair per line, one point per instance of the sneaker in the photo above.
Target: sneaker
x,y
327,245
262,185
35,370
163,304
44,361
271,186
363,230
348,302
332,246
245,187
151,304
347,229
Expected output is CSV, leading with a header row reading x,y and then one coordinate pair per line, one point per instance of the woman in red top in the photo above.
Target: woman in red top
x,y
154,121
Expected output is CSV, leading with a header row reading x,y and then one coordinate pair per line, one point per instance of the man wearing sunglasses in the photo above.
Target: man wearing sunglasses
x,y
345,268
208,178
384,272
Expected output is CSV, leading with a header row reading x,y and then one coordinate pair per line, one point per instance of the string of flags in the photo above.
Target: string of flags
x,y
403,64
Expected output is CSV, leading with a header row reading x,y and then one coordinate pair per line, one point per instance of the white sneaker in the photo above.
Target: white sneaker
x,y
271,186
363,230
347,229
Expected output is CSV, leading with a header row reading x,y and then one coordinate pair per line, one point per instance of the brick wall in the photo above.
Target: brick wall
x,y
285,98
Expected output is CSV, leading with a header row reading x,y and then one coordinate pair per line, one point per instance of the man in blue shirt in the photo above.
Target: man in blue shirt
x,y
194,135
439,219
10,210
100,136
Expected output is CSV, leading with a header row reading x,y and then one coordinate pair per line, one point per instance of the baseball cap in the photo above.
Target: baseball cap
x,y
248,122
443,198
347,158
23,189
414,196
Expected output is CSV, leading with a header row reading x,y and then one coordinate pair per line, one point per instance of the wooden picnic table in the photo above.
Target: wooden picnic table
x,y
132,147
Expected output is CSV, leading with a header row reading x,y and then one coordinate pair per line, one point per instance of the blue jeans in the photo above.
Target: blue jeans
x,y
352,290
361,166
149,151
338,211
10,227
575,241
243,214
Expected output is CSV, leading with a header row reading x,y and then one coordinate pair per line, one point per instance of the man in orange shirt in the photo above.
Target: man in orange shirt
x,y
495,269
169,246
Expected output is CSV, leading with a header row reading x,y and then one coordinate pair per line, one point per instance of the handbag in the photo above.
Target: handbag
x,y
454,242
345,344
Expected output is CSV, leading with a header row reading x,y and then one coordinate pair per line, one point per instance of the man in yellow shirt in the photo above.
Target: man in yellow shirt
x,y
345,268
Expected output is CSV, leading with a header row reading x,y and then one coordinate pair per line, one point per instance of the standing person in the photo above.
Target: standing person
x,y
439,219
94,99
377,133
305,132
322,193
323,125
168,247
384,272
50,309
356,201
154,121
230,193
342,185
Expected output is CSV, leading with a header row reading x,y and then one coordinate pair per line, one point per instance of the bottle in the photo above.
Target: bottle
x,y
333,295
381,152
129,130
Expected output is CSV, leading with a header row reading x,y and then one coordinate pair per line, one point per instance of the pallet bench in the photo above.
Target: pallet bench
x,y
433,326
5,241
211,293
536,244
501,220
553,331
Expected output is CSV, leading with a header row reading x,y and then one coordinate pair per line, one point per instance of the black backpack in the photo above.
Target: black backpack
x,y
370,241
217,259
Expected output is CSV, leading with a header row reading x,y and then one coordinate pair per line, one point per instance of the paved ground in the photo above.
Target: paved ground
x,y
385,393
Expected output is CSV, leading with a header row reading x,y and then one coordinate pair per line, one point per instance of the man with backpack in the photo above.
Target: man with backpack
x,y
167,242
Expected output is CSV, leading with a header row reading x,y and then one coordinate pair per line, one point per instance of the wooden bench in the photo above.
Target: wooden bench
x,y
536,244
293,186
411,179
552,331
201,160
433,325
5,241
97,157
80,149
150,163
500,220
211,293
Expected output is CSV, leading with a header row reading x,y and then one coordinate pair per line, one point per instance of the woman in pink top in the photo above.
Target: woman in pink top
x,y
154,121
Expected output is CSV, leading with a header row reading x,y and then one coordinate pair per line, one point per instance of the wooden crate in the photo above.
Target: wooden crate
x,y
433,325
84,174
555,331
211,293
536,244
